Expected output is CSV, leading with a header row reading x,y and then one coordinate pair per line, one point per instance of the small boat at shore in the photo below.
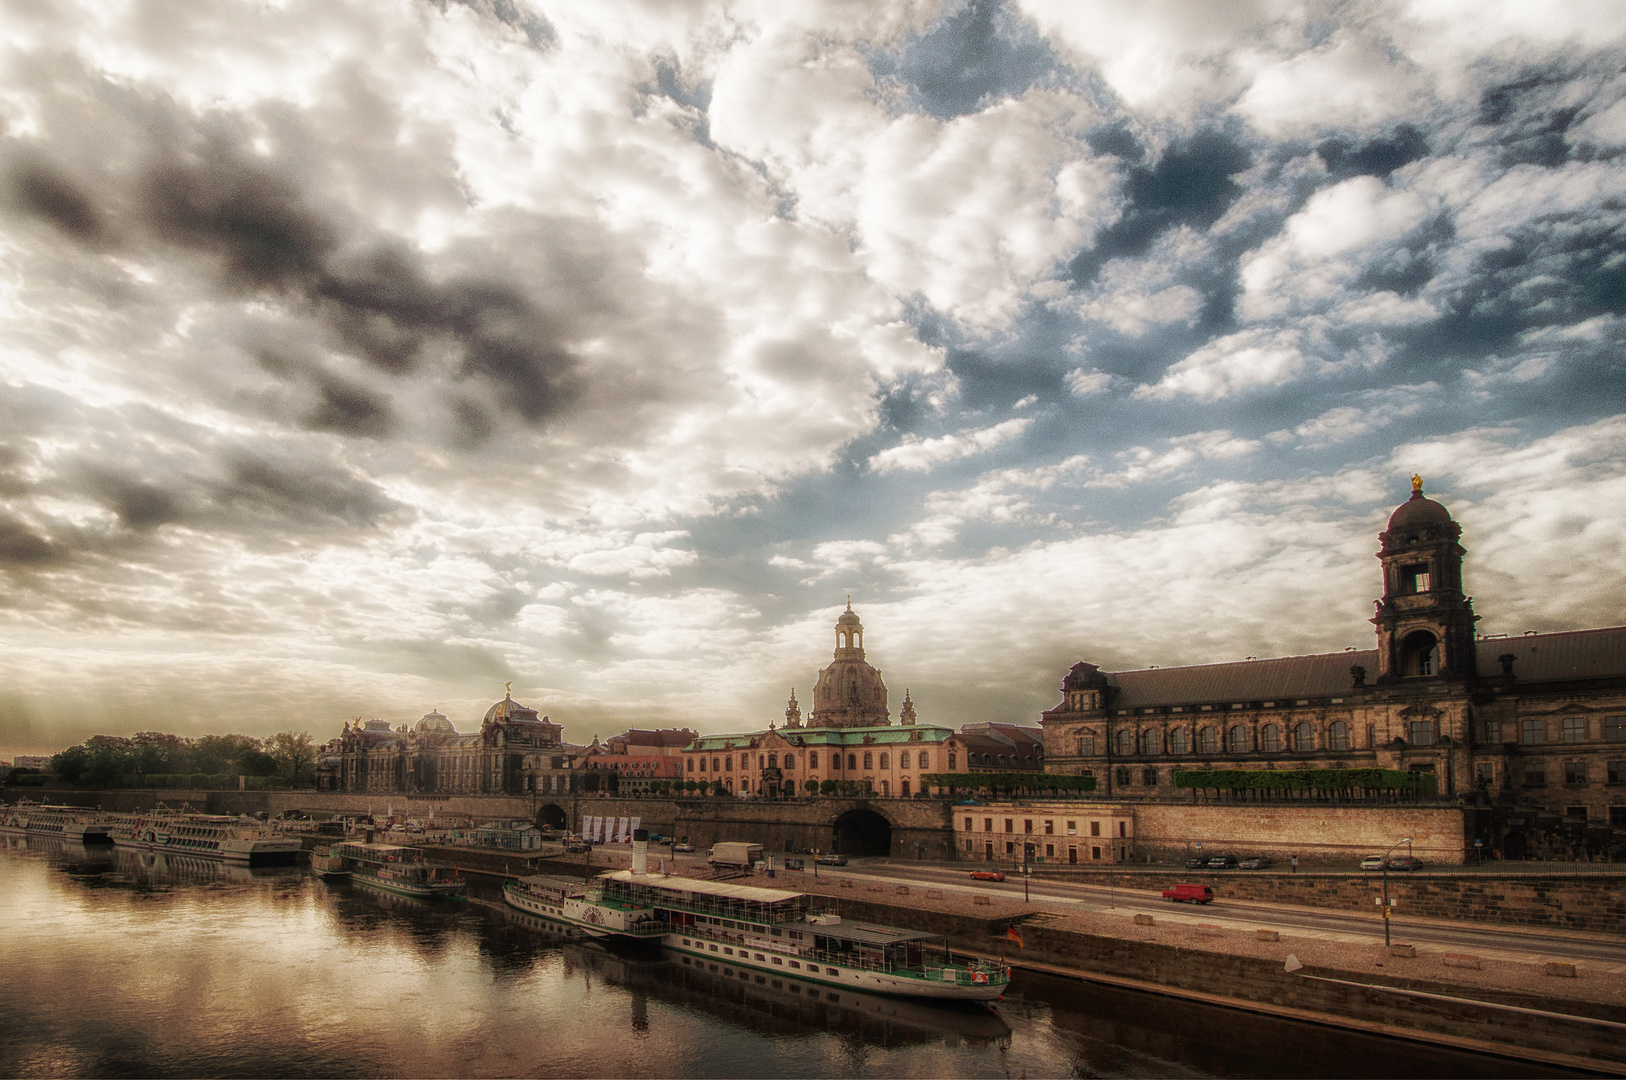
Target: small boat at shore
x,y
43,819
327,863
401,870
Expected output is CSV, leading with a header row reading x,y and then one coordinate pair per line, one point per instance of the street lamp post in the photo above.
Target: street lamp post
x,y
1386,854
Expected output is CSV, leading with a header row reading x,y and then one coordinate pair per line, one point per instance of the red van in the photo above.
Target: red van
x,y
1194,894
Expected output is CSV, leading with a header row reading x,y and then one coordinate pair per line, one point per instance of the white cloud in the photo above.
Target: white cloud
x,y
1378,408
1088,383
915,454
1141,464
1236,363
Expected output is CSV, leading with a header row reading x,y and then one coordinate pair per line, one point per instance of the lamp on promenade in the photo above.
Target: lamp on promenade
x,y
1385,900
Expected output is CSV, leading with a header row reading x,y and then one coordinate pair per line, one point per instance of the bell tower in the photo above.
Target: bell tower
x,y
1424,622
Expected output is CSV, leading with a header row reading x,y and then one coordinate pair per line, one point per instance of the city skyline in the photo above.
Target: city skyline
x,y
359,360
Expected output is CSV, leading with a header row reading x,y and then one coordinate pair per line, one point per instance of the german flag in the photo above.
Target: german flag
x,y
1013,934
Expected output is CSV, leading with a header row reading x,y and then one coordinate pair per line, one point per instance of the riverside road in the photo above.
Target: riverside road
x,y
1603,953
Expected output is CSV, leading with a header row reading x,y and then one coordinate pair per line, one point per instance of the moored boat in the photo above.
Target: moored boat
x,y
215,836
43,819
401,870
327,863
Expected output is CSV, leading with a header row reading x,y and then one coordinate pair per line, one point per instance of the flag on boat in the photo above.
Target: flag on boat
x,y
1013,934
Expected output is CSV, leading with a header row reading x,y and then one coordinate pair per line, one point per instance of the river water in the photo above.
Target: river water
x,y
133,964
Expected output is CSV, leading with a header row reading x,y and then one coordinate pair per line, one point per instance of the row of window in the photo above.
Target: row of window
x,y
1575,772
1533,730
1273,738
1049,826
1049,850
771,761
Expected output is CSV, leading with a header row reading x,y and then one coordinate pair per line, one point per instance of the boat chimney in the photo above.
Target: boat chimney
x,y
640,851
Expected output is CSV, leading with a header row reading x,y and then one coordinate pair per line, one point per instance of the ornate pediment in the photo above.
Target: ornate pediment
x,y
1421,711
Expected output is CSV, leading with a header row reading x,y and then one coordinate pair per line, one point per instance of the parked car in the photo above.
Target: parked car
x,y
987,875
577,847
831,860
1222,862
682,847
1405,862
1197,862
1372,862
1257,862
1189,894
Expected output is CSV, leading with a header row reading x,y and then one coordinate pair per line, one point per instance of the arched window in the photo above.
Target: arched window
x,y
1303,737
925,761
886,787
762,761
1150,743
886,761
1241,739
903,759
852,761
869,760
1338,736
773,761
745,785
691,764
714,764
1126,741
1177,740
790,761
812,759
1270,738
729,784
728,763
1419,655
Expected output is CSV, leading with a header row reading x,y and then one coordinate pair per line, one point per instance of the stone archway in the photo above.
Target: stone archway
x,y
863,832
551,816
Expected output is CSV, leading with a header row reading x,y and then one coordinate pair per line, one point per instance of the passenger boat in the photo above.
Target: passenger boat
x,y
401,870
763,930
327,863
42,819
216,836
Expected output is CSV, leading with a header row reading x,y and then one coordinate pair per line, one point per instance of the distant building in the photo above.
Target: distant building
x,y
638,758
1537,720
848,737
27,761
1003,748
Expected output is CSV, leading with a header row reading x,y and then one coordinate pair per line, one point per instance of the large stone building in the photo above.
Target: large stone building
x,y
515,751
848,737
1538,720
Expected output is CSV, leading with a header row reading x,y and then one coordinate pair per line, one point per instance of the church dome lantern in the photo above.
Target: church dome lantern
x,y
1424,621
849,693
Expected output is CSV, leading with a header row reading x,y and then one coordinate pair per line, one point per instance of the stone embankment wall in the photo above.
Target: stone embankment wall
x,y
1170,830
1588,902
1265,982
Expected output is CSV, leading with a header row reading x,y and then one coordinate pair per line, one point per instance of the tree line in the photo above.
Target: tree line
x,y
1314,783
158,759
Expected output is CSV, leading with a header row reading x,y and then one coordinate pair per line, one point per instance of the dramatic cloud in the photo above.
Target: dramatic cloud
x,y
359,358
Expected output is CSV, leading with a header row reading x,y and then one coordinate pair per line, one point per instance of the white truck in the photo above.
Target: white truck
x,y
737,855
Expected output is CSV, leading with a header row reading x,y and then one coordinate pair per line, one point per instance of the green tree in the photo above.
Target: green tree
x,y
158,752
70,764
828,787
295,756
221,753
110,758
811,787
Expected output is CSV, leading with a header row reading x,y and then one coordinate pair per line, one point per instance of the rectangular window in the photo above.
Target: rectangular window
x,y
1148,777
925,761
1095,853
869,760
1123,828
1086,746
1617,816
1414,578
968,845
1027,825
1575,729
1486,771
1072,828
1049,827
1575,813
1010,847
1530,732
953,757
1422,733
967,824
1617,772
987,824
1614,729
1574,772
1010,826
1493,731
885,761
1095,828
1050,851
1535,774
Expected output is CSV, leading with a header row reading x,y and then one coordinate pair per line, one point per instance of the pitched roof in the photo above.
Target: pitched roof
x,y
1574,654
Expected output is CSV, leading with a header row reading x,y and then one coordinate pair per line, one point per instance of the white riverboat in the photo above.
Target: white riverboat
x,y
784,934
43,819
215,836
402,870
328,863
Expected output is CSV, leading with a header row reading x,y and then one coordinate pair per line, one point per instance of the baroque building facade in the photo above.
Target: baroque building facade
x,y
849,736
1538,720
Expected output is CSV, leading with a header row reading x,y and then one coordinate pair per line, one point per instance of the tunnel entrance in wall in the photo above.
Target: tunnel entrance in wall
x,y
551,816
863,832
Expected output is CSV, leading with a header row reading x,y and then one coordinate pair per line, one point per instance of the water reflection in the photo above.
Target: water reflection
x,y
148,964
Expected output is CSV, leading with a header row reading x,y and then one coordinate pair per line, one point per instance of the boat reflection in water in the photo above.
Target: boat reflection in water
x,y
761,1003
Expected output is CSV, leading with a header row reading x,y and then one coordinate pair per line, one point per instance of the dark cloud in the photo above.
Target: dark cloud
x,y
1189,185
1529,117
305,492
348,409
40,189
140,504
23,547
979,52
1375,157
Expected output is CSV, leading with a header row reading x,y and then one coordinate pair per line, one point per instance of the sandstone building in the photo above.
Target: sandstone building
x,y
1538,720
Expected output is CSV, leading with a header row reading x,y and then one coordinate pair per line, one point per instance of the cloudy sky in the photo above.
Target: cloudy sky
x,y
358,357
